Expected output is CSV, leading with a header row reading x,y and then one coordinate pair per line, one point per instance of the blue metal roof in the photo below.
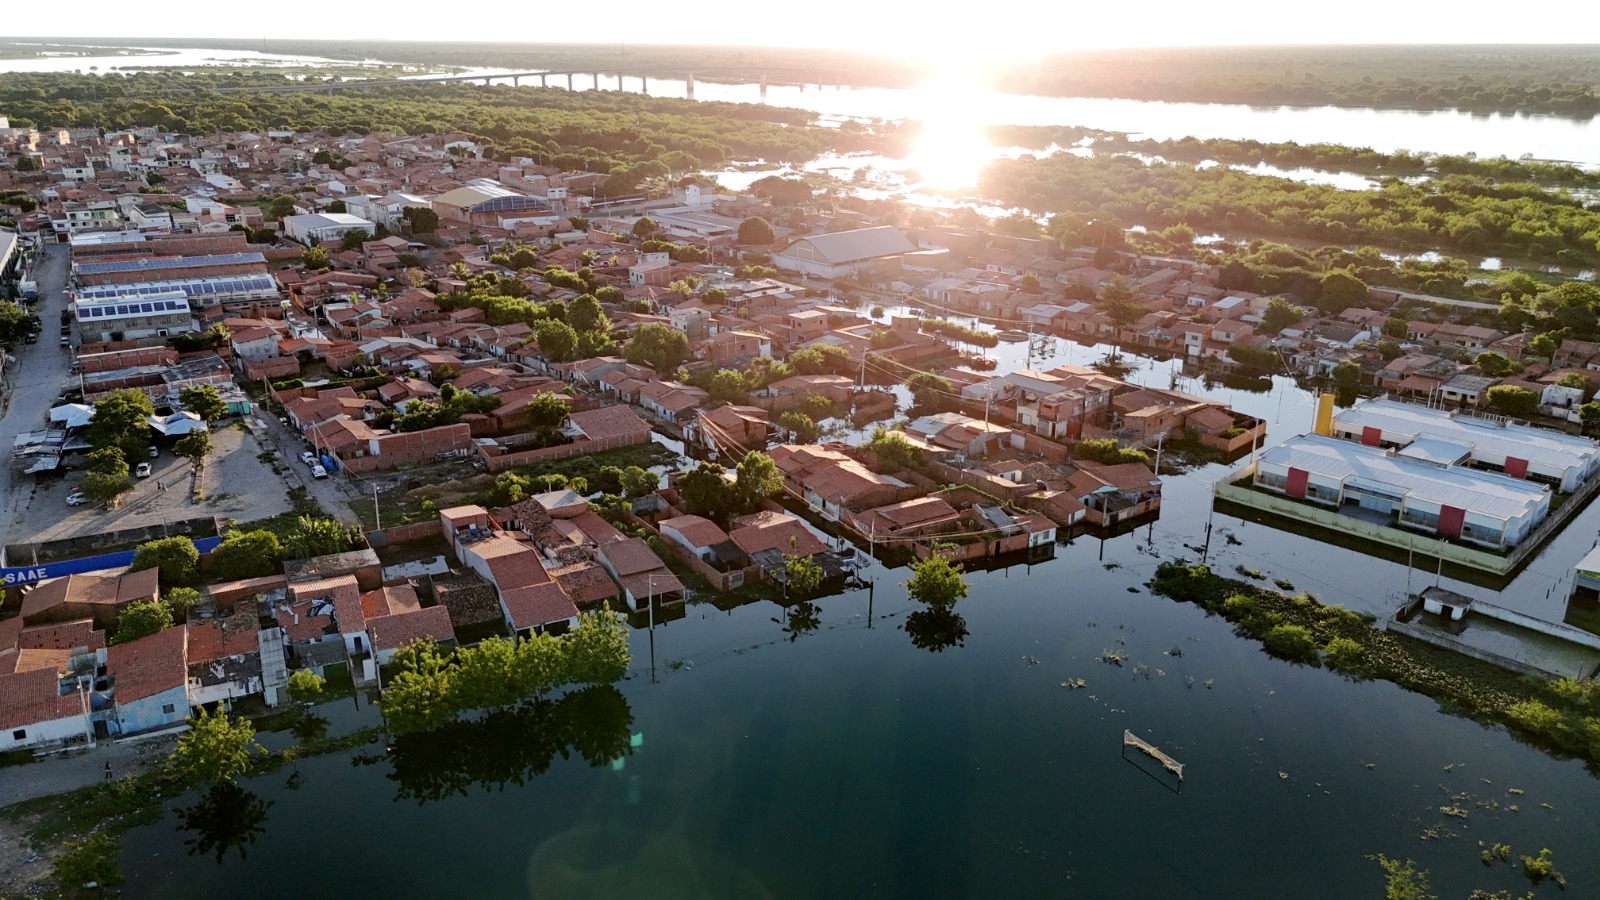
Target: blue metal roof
x,y
225,285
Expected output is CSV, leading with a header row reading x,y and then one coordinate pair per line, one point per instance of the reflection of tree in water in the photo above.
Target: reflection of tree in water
x,y
226,817
804,618
934,629
308,727
510,746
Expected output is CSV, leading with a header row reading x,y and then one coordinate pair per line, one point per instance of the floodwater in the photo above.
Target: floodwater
x,y
836,754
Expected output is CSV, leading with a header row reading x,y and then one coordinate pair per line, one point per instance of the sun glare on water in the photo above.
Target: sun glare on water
x,y
952,148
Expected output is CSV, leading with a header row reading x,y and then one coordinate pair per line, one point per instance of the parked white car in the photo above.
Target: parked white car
x,y
142,470
76,498
318,471
308,458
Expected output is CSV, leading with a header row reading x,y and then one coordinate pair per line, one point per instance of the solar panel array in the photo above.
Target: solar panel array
x,y
170,262
233,286
116,309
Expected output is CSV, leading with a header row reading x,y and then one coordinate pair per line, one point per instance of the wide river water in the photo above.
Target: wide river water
x,y
853,762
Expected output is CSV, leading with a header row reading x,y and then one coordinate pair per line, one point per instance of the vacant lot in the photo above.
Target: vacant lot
x,y
236,484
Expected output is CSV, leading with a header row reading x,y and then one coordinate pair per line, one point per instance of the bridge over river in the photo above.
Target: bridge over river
x,y
788,75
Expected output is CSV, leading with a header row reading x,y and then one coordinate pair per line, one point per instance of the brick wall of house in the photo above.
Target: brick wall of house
x,y
123,359
176,245
405,534
403,448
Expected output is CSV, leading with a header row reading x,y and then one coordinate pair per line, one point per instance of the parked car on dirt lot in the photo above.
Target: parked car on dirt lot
x,y
142,470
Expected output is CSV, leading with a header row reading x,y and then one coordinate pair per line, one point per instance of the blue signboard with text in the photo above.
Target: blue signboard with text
x,y
29,574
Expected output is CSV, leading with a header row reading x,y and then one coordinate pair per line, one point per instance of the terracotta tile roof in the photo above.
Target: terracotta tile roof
x,y
599,530
785,534
697,530
648,584
149,665
609,422
1123,477
401,628
27,698
302,620
53,660
631,556
586,583
345,594
389,600
536,605
511,563
213,639
61,636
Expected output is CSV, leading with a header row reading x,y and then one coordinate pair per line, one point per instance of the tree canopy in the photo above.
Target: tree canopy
x,y
175,556
937,581
120,420
214,749
204,401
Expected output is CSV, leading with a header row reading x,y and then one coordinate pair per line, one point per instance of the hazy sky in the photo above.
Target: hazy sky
x,y
937,28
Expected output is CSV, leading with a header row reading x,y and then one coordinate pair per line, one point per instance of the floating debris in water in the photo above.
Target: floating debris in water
x,y
1370,765
1456,811
1188,681
1208,684
1132,589
1518,791
1175,652
1031,660
1112,565
1282,774
1073,684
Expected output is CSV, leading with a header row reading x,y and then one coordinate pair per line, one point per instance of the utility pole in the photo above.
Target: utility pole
x,y
1205,552
377,516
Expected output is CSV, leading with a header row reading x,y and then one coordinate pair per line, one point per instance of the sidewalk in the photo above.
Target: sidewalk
x,y
73,769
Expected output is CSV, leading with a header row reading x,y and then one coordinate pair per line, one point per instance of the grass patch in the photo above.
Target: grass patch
x,y
1560,716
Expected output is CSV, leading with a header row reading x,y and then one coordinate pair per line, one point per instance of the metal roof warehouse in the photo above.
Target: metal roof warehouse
x,y
1437,436
1484,508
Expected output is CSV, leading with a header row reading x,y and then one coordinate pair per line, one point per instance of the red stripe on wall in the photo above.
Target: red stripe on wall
x,y
1297,483
1370,436
1451,519
1516,468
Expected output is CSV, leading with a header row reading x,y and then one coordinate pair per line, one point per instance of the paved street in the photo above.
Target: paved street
x,y
32,382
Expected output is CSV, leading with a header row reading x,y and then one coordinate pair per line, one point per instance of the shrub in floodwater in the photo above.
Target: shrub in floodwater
x,y
1291,642
1539,868
1344,654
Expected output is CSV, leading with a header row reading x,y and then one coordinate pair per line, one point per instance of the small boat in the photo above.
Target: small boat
x,y
1011,336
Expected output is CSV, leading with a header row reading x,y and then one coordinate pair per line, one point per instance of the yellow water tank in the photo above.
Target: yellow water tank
x,y
1325,415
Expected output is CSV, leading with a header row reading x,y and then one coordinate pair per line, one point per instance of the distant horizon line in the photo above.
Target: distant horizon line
x,y
125,40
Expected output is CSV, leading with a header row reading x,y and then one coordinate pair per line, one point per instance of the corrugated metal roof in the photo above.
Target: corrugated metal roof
x,y
1535,445
147,264
1497,496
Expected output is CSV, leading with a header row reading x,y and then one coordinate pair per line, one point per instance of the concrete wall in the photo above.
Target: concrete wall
x,y
39,734
404,534
1394,537
145,714
501,462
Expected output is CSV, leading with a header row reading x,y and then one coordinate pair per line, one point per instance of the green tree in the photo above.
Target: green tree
x,y
315,258
637,482
1574,380
1510,400
214,749
247,554
281,206
204,401
608,480
120,420
141,619
420,696
305,685
661,347
1341,291
314,536
547,412
194,446
1396,327
1492,364
175,556
99,487
88,867
756,230
422,219
1280,314
714,297
937,581
557,340
597,650
727,386
755,479
894,452
644,228
486,675
931,393
1589,416
585,315
1116,301
706,491
180,600
509,488
802,576
1544,345
16,324
819,359
799,425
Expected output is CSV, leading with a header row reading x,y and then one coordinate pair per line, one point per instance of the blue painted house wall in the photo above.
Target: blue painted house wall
x,y
146,713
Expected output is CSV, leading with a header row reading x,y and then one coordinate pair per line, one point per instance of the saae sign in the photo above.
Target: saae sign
x,y
30,574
